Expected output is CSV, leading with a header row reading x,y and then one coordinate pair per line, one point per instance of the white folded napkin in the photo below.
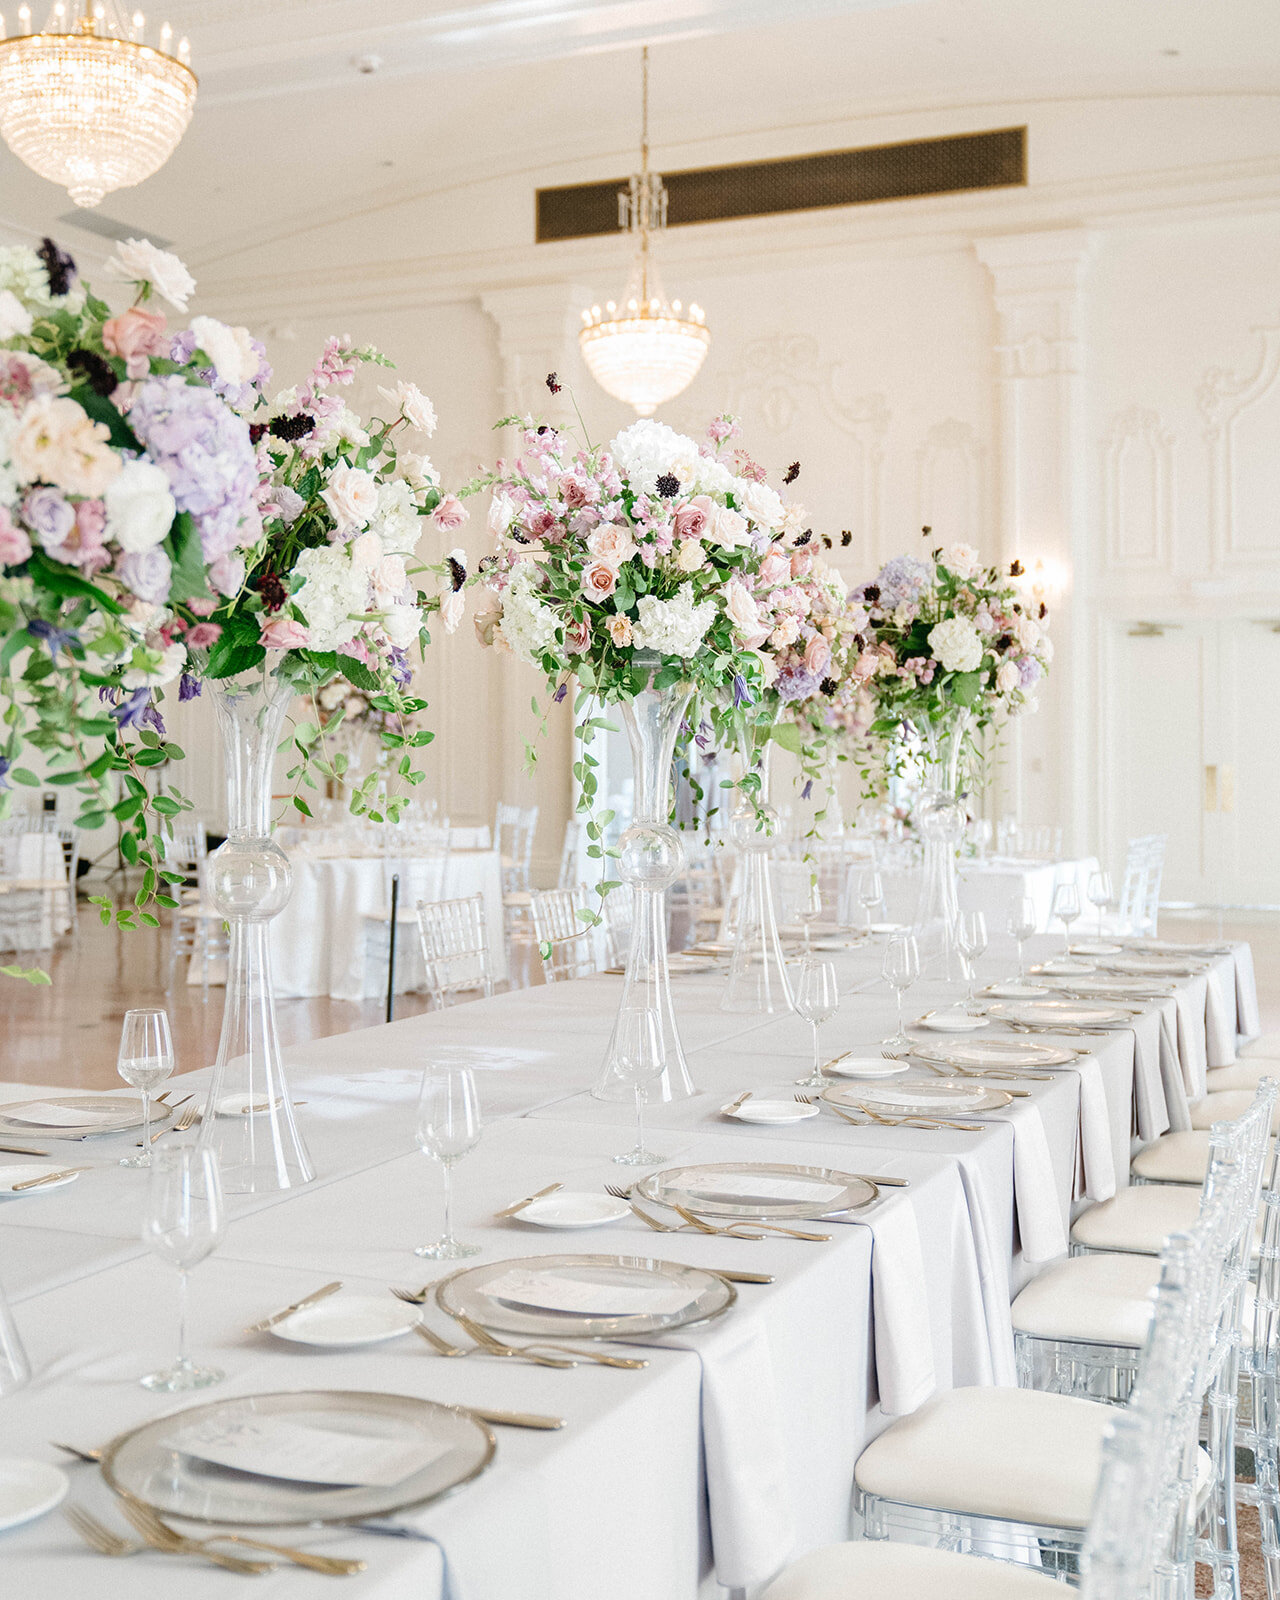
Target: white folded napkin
x,y
1177,1108
1096,1155
903,1352
1248,1019
1041,1225
1191,1000
1220,1014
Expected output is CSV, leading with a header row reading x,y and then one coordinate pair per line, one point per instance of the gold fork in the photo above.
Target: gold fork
x,y
163,1538
98,1537
146,1520
187,1120
497,1347
898,1122
412,1297
619,1193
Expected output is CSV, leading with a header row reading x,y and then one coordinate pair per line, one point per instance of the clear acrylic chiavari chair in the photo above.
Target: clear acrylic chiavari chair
x,y
455,948
566,943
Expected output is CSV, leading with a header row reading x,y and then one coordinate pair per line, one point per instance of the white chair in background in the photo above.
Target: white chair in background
x,y
570,865
422,881
568,946
455,948
1138,912
197,928
513,833
619,913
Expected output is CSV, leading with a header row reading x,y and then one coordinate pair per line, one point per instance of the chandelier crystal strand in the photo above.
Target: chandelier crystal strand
x,y
648,349
88,105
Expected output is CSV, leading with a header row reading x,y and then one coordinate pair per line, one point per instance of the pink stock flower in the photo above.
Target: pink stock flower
x,y
203,607
539,521
280,633
205,634
15,547
450,514
775,568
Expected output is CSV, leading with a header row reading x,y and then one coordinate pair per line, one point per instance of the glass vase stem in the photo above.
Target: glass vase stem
x,y
940,819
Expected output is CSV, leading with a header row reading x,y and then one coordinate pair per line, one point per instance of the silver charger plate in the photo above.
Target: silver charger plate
x,y
995,1053
938,1097
150,1465
1154,966
477,1292
742,1189
129,1116
1061,1013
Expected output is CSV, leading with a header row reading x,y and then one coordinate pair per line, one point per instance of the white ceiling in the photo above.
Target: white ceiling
x,y
297,159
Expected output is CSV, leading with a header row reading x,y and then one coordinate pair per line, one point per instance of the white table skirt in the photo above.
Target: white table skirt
x,y
990,886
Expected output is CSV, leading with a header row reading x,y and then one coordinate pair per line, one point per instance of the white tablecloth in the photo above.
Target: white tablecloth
x,y
989,886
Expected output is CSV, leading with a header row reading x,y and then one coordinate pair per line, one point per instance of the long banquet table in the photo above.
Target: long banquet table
x,y
734,1450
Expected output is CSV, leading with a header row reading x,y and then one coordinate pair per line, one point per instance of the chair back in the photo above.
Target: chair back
x,y
422,876
566,943
1139,907
513,831
570,866
455,947
619,912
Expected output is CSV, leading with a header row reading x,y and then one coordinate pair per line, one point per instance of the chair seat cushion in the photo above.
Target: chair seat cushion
x,y
1138,1220
1099,1299
1266,1044
1241,1075
1176,1157
1223,1104
1014,1454
517,898
875,1569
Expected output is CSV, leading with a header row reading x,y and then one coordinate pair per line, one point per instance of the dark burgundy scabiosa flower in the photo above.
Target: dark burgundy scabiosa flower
x,y
457,573
1004,642
826,541
1044,611
58,265
96,372
828,686
290,428
804,537
871,593
257,430
792,473
846,538
1016,569
273,592
668,486
552,385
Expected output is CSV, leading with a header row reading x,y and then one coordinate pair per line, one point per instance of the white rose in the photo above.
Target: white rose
x,y
956,645
417,471
502,513
690,555
172,660
352,496
611,544
401,625
759,502
963,560
452,607
742,609
1027,633
413,406
1008,678
139,261
728,529
389,579
366,551
229,349
140,508
15,319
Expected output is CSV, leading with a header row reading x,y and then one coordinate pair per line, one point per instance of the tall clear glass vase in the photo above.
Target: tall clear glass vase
x,y
650,859
831,829
248,1118
940,820
758,982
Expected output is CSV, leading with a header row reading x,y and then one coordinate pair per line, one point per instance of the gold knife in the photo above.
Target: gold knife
x,y
307,1300
21,1150
742,1277
49,1177
517,1419
510,1211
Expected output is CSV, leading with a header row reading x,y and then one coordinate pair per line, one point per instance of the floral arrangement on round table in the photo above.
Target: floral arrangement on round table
x,y
152,535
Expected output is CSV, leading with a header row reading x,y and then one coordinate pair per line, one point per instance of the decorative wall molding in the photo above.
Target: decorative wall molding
x,y
951,482
537,334
1137,443
1224,397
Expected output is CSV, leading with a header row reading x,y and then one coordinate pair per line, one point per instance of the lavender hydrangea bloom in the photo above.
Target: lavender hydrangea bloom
x,y
205,451
1030,670
239,395
149,573
794,683
903,578
49,515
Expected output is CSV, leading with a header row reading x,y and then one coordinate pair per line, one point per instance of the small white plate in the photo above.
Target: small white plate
x,y
1015,991
866,1067
837,941
772,1112
887,927
952,1022
28,1489
1060,966
569,1208
11,1175
1096,947
345,1320
241,1105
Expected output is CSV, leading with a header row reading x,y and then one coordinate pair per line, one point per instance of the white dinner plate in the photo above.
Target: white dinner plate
x,y
1063,966
887,927
11,1175
866,1067
773,1112
914,1096
951,1022
1015,991
1095,947
1063,1014
837,941
28,1489
679,962
75,1116
569,1208
342,1321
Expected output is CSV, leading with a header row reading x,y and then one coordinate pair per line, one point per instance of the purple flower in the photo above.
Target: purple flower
x,y
56,638
188,687
794,683
807,790
131,711
401,670
149,573
1030,671
558,697
703,736
742,695
49,515
903,578
5,764
152,719
206,454
239,395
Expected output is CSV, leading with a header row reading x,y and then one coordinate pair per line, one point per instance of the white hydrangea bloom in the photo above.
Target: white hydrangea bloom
x,y
528,626
712,477
675,627
331,590
396,521
956,645
647,449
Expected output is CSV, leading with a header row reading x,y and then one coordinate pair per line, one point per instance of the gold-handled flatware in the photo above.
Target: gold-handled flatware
x,y
150,1525
91,1456
737,1104
897,1122
496,1347
518,1419
186,1121
619,1193
510,1211
734,1276
307,1300
47,1177
442,1347
21,1150
159,1536
733,1231
98,1536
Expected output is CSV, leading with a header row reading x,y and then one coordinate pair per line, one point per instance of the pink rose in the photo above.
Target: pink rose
x,y
450,514
15,547
692,517
205,634
619,631
611,544
135,336
801,561
866,665
577,492
283,633
817,655
577,635
599,581
538,524
775,569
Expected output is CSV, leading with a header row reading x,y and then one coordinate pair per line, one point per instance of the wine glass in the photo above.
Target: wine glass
x,y
639,1058
448,1128
816,996
870,892
1020,925
184,1224
971,936
145,1060
809,908
1066,907
1100,894
900,969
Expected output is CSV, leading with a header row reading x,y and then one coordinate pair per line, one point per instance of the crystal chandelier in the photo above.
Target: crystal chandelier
x,y
85,103
648,349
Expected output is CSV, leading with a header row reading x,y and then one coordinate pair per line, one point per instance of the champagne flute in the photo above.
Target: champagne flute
x,y
900,970
145,1060
1100,894
870,892
971,936
1066,907
810,907
816,998
185,1222
639,1059
448,1128
1021,924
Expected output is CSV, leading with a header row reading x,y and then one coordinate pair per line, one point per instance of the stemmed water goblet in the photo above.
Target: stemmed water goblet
x,y
900,969
1066,908
971,936
1020,925
638,1060
809,907
1100,894
816,997
184,1224
448,1128
870,892
145,1060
